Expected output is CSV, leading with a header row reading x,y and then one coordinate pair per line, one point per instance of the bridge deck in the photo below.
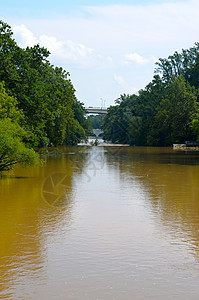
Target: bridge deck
x,y
96,110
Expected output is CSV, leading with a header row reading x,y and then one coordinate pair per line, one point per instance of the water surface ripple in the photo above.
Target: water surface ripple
x,y
102,223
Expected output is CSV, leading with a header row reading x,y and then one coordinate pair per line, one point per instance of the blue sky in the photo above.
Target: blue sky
x,y
109,47
43,7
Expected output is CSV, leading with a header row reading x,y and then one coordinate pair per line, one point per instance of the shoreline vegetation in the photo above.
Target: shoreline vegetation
x,y
184,147
166,111
38,106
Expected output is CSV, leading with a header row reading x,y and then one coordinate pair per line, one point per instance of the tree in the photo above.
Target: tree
x,y
195,126
8,106
43,92
194,74
179,64
96,121
8,47
115,124
175,114
131,120
144,111
82,124
12,147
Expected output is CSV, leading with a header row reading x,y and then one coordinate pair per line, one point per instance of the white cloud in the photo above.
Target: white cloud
x,y
97,39
146,26
153,30
78,50
127,88
62,51
135,57
24,36
70,52
109,59
50,43
120,80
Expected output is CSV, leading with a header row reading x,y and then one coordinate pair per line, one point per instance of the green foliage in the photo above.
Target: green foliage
x,y
80,116
12,147
8,46
44,94
194,73
38,102
195,126
132,118
179,64
78,134
166,111
96,121
115,125
8,106
173,120
161,131
38,106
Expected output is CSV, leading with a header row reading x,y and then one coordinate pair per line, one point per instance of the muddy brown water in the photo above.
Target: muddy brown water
x,y
102,223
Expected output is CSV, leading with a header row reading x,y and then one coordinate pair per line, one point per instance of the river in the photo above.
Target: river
x,y
102,223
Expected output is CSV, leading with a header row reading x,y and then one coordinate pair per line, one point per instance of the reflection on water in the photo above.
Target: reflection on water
x,y
29,218
102,223
171,182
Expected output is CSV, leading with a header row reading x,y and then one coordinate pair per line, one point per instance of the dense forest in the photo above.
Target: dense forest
x,y
166,111
38,106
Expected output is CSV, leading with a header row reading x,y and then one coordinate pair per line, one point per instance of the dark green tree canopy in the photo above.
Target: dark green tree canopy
x,y
165,111
179,64
38,106
44,94
12,148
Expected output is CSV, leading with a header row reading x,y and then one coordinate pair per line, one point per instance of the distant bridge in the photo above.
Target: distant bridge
x,y
96,110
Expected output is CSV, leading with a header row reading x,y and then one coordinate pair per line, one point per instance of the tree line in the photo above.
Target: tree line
x,y
166,111
38,106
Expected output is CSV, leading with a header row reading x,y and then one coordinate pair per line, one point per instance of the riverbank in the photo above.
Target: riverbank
x,y
113,145
184,147
94,141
